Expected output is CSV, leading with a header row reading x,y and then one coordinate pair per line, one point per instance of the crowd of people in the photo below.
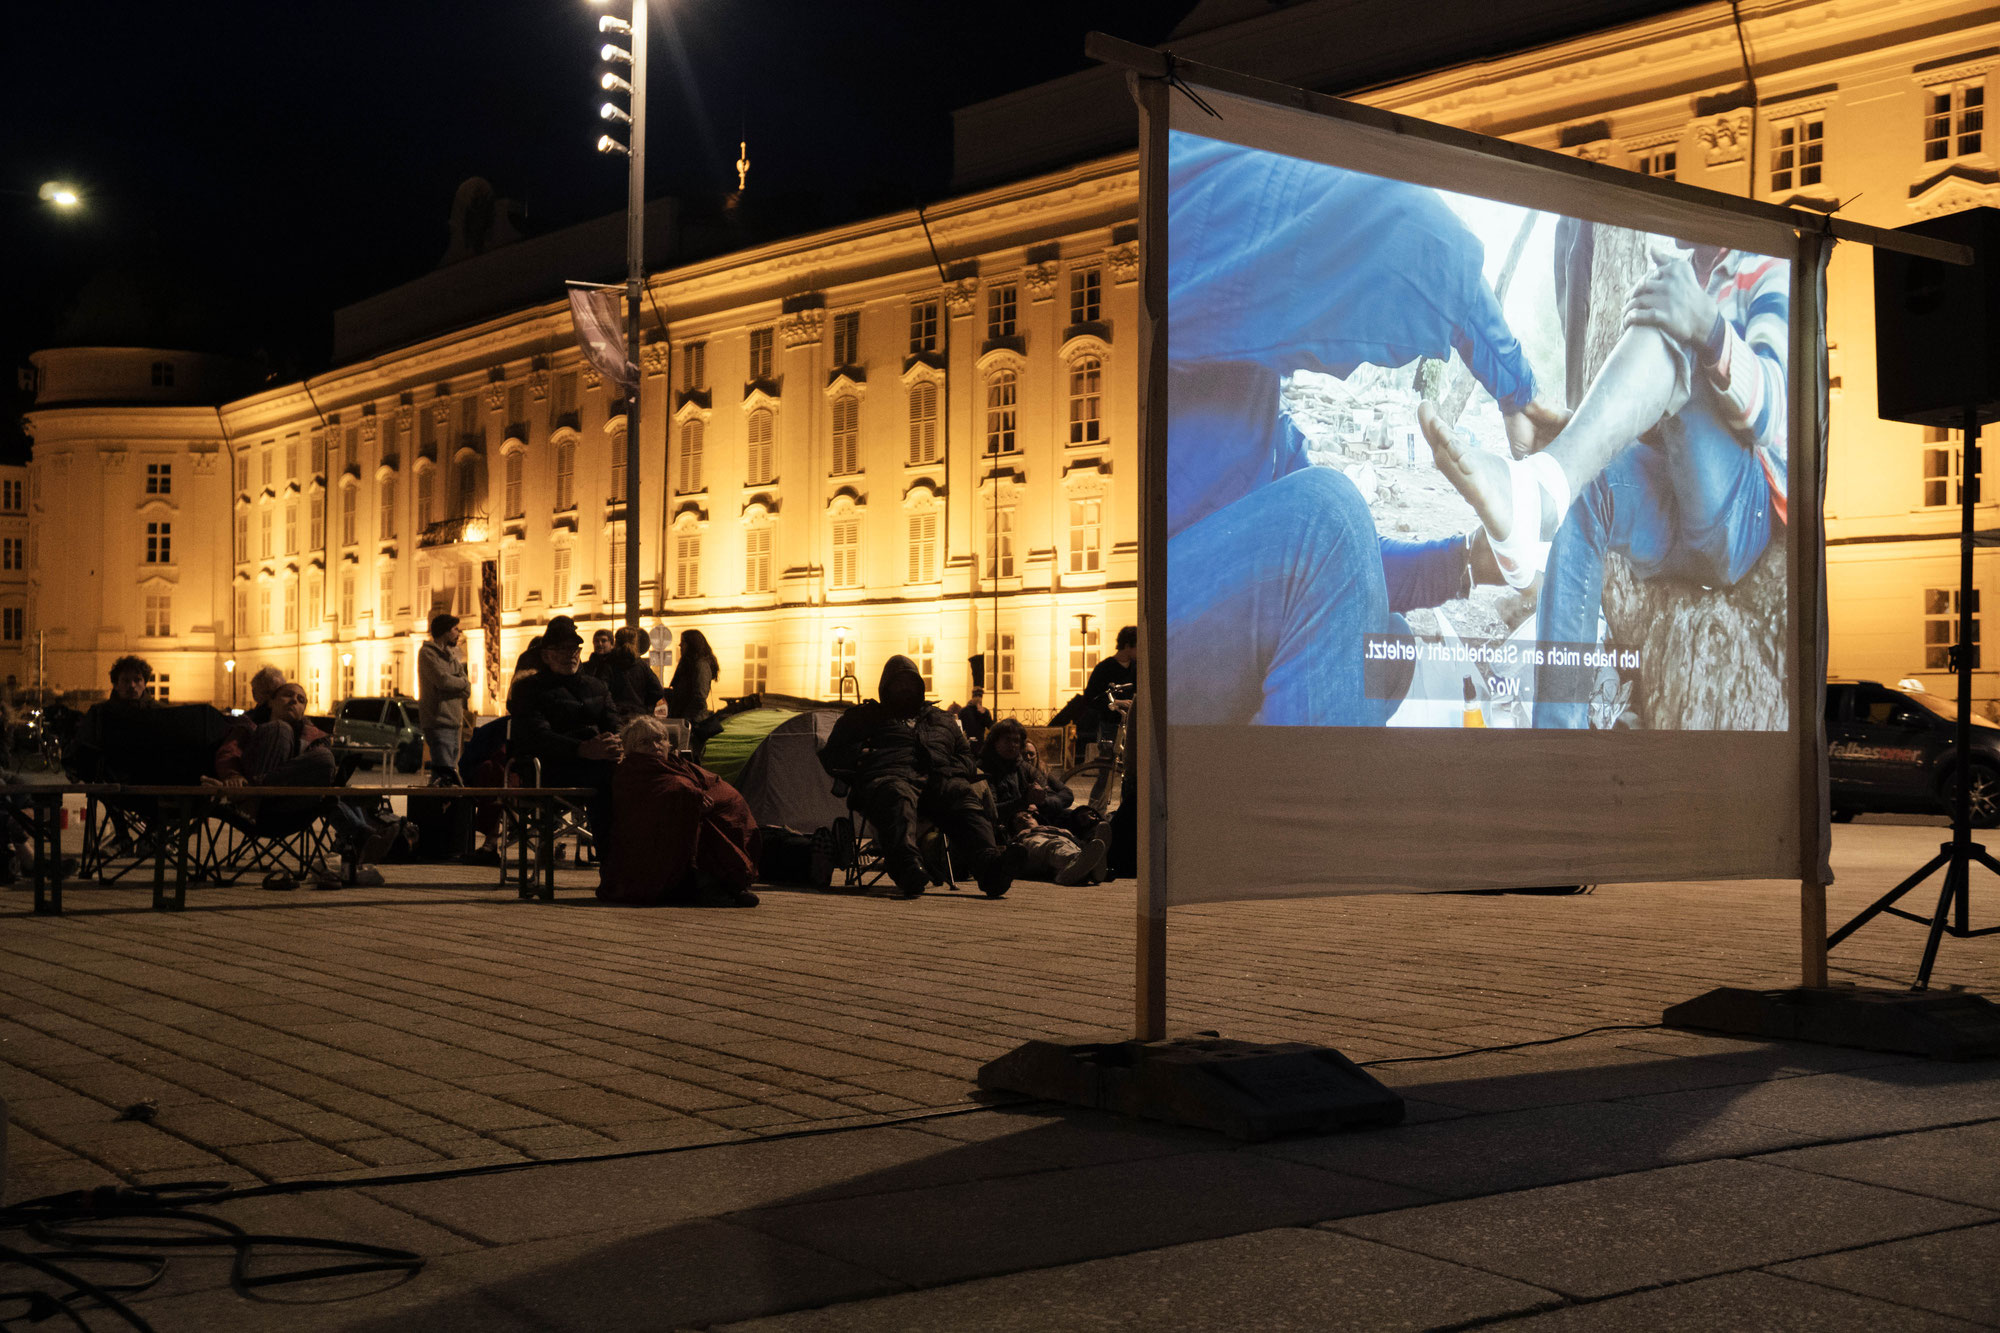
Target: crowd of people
x,y
943,791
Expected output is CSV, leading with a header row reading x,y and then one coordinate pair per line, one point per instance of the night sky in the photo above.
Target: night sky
x,y
250,167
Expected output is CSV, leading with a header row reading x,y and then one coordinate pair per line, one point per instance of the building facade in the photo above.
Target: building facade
x,y
856,447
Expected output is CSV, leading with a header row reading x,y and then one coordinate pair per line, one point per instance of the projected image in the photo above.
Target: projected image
x,y
1439,461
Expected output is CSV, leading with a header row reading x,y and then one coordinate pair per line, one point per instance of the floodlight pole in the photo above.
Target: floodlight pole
x,y
635,293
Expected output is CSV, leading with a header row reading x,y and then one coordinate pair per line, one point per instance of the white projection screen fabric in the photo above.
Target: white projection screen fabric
x,y
1382,352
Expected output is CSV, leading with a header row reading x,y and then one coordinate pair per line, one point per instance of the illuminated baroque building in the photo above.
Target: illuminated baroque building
x,y
851,454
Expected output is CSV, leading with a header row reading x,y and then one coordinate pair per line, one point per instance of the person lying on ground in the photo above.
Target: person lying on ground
x,y
686,835
1061,839
906,758
563,719
1276,568
288,751
1676,454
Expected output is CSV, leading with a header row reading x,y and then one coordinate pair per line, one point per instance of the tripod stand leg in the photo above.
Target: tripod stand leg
x,y
1954,884
1888,899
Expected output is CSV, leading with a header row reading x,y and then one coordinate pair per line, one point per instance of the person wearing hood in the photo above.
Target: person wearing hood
x,y
907,758
442,688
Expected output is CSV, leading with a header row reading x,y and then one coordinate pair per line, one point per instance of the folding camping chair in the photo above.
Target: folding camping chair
x,y
856,854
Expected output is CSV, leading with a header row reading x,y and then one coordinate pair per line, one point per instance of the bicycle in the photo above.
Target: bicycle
x,y
1099,782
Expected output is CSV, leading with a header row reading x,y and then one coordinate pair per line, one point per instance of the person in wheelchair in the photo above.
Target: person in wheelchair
x,y
904,757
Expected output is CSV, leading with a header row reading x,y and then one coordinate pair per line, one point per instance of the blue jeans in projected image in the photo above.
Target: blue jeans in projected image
x,y
1271,598
1687,502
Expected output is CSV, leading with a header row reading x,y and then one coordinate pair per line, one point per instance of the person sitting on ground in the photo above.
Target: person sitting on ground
x,y
687,693
975,719
442,689
599,665
1038,812
635,689
689,836
563,719
103,731
906,758
288,751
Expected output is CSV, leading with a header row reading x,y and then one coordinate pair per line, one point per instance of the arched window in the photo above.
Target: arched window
x,y
1086,393
763,430
687,561
846,571
923,544
691,445
846,435
618,467
426,497
566,474
1000,398
923,422
515,507
386,519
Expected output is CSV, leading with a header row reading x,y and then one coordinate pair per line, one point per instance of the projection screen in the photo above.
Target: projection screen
x,y
1486,489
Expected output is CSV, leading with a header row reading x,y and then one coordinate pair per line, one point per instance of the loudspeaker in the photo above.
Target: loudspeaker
x,y
1937,326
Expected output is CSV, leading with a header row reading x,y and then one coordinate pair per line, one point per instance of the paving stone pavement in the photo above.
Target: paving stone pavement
x,y
440,1022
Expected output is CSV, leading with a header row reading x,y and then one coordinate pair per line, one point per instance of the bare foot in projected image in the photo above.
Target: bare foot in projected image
x,y
1483,479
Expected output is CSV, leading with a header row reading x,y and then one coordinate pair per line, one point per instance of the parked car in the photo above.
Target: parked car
x,y
368,725
1892,750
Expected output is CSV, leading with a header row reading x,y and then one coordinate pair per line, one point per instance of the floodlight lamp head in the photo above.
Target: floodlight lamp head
x,y
614,55
612,23
611,83
607,144
611,111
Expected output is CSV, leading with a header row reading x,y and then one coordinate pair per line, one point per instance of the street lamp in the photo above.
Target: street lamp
x,y
59,193
633,120
229,668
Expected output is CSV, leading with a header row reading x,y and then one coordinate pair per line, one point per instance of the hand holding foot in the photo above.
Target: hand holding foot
x,y
1519,502
1532,428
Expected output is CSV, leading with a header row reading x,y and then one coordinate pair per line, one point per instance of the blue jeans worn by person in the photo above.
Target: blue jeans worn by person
x,y
443,744
1273,594
1686,501
1275,570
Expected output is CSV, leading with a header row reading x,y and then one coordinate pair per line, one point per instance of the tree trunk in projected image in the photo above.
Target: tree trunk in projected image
x,y
1715,659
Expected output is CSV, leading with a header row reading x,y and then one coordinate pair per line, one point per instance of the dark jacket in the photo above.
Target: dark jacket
x,y
634,687
554,714
1021,784
687,693
230,755
976,720
873,744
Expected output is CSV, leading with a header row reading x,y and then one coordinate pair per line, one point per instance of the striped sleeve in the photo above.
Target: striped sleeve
x,y
1754,296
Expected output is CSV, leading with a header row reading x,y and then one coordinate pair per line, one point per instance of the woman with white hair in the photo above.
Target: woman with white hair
x,y
685,836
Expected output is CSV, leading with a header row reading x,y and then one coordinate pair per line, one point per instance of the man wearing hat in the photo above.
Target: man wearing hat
x,y
442,688
565,719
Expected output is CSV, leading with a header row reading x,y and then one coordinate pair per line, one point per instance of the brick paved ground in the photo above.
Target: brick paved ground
x,y
444,1023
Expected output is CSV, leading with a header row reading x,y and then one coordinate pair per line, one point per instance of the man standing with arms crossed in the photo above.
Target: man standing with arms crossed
x,y
442,688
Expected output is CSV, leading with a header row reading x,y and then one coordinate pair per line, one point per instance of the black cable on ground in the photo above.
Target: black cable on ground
x,y
1512,1046
72,1221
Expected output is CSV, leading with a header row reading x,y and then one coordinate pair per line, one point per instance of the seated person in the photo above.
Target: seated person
x,y
1676,455
907,757
564,719
288,751
689,837
263,685
106,728
1038,812
635,688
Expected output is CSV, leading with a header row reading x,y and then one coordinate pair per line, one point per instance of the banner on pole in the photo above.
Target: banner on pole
x,y
600,331
1486,491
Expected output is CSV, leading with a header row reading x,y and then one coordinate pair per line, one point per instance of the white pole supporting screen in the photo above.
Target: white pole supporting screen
x,y
1487,493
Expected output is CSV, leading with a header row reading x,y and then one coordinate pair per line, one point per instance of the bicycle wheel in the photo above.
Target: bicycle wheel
x,y
1091,782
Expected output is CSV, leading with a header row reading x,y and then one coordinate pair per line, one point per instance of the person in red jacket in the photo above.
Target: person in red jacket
x,y
685,835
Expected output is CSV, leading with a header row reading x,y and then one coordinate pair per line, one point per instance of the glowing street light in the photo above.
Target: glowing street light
x,y
60,194
229,667
632,118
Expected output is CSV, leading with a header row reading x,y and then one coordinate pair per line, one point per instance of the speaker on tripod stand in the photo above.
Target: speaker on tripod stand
x,y
1937,353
